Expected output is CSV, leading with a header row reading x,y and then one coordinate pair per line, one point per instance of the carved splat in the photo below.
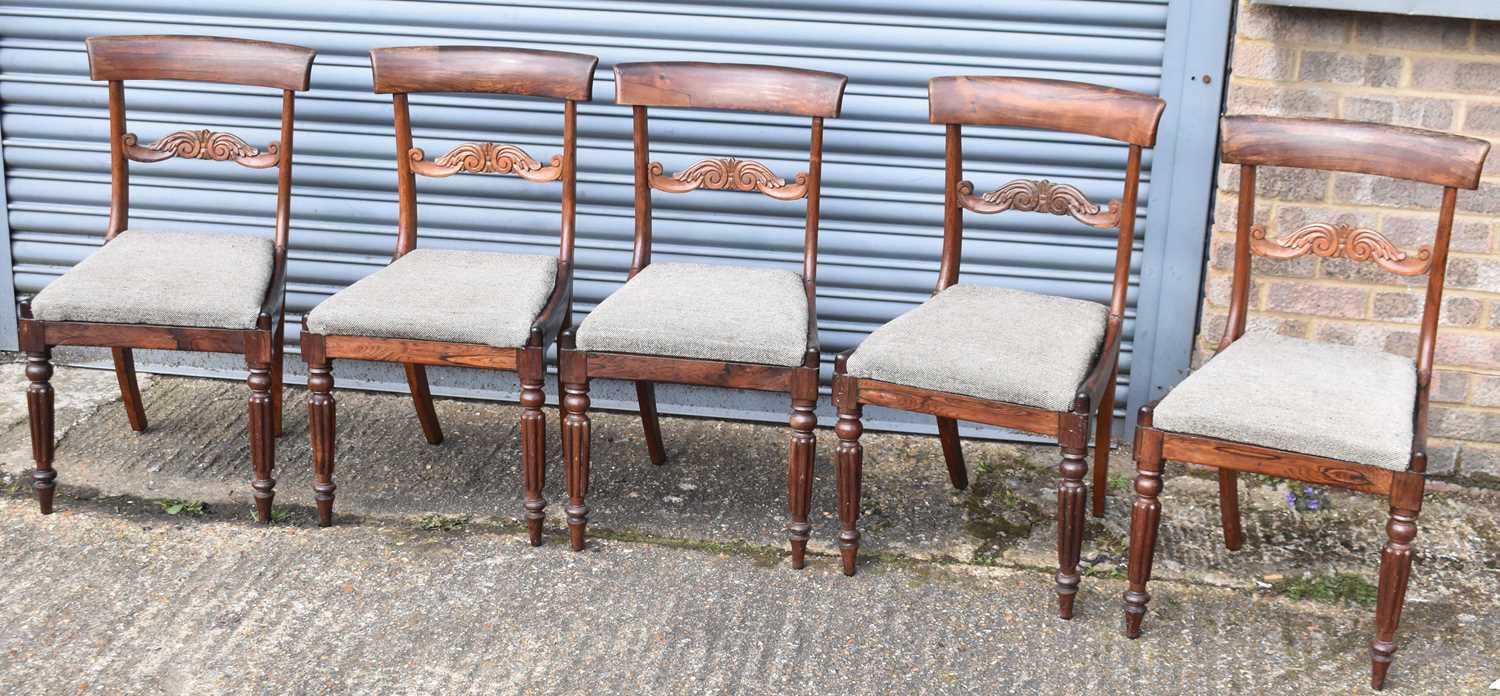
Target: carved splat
x,y
1041,197
202,144
486,158
1330,239
729,174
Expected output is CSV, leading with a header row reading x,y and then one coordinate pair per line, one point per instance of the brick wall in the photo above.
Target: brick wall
x,y
1442,74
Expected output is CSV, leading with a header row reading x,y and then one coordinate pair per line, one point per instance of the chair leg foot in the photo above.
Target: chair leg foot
x,y
322,412
39,408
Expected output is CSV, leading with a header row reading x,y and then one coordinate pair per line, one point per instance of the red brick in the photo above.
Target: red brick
x,y
1280,100
1263,62
1411,232
1389,31
1481,350
1384,191
1319,300
1486,391
1449,386
1400,341
1344,68
1444,75
1480,462
1406,307
1292,25
1483,119
1474,273
1400,110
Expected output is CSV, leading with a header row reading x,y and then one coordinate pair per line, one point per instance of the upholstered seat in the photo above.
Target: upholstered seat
x,y
1341,402
987,342
165,279
689,310
475,297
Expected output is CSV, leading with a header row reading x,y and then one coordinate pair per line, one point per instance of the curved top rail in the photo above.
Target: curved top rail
x,y
1075,107
731,86
200,58
1352,146
495,69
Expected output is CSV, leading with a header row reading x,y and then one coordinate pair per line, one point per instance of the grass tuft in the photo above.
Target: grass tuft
x,y
186,508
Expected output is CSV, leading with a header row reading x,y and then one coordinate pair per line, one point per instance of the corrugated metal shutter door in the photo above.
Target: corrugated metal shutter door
x,y
882,217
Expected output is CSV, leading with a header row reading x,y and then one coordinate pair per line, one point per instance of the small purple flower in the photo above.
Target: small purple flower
x,y
1291,499
1313,504
1309,490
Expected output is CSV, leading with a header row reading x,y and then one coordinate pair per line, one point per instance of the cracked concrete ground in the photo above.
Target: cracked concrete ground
x,y
426,584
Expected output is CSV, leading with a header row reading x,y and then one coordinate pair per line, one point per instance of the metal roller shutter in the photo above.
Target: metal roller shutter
x,y
882,217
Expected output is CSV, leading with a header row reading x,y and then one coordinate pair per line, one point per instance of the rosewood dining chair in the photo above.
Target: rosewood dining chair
x,y
477,309
198,291
1000,356
722,326
1333,415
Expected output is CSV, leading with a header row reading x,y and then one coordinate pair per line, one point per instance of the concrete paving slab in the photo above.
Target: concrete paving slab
x,y
685,589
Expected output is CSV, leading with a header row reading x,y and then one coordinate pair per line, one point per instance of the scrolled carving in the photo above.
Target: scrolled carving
x,y
486,158
729,174
202,144
1041,197
1336,239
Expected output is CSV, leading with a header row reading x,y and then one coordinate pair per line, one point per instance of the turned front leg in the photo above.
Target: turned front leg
x,y
1145,517
321,414
39,407
262,438
533,441
575,434
1072,496
799,469
1395,572
849,456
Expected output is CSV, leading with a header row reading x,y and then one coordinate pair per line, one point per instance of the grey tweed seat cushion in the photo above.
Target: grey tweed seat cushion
x,y
478,297
992,343
165,279
1341,402
690,310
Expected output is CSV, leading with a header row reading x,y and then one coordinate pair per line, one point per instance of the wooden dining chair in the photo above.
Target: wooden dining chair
x,y
200,291
1333,415
478,309
722,326
999,356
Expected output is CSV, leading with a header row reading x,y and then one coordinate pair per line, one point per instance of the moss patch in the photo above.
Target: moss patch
x,y
993,512
1339,588
441,523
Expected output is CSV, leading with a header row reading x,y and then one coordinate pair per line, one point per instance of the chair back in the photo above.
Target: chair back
x,y
733,87
1431,157
1072,107
494,70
